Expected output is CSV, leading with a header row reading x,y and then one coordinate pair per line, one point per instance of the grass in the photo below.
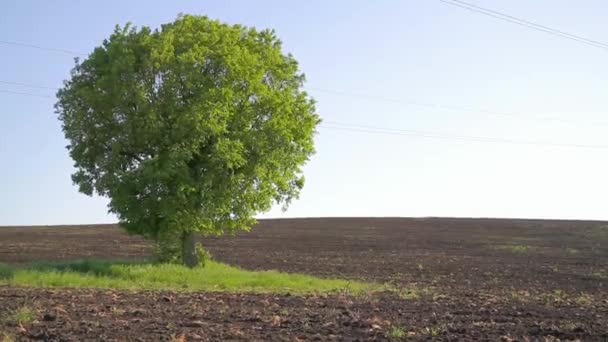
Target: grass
x,y
397,332
433,331
553,297
412,291
520,248
572,251
5,271
560,296
214,276
522,296
584,299
517,248
6,337
594,232
22,315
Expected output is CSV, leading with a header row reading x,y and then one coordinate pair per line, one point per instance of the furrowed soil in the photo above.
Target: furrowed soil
x,y
457,279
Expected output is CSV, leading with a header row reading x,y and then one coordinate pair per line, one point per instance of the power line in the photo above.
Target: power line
x,y
28,85
525,23
457,108
393,131
534,24
33,46
392,100
404,132
24,93
448,107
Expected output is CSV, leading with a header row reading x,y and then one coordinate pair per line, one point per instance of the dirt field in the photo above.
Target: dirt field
x,y
462,279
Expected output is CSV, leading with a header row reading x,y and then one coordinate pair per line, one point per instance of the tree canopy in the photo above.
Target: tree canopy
x,y
191,128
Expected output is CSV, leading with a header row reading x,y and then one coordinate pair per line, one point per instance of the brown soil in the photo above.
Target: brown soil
x,y
462,279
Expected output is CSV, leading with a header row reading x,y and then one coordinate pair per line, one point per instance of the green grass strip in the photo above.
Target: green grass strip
x,y
214,276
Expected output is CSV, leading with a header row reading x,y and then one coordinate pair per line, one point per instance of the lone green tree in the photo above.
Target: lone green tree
x,y
191,128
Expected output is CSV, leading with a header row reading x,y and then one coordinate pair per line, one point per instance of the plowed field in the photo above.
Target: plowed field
x,y
461,279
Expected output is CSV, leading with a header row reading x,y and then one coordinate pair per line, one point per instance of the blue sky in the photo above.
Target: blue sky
x,y
412,50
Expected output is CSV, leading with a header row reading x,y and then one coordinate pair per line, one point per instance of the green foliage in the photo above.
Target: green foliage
x,y
520,248
572,251
584,299
593,232
85,266
194,127
6,271
168,249
517,248
397,332
22,315
204,255
433,331
214,277
6,337
413,292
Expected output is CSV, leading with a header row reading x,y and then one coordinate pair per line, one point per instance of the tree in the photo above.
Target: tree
x,y
191,128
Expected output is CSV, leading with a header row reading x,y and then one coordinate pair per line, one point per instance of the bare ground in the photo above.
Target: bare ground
x,y
461,279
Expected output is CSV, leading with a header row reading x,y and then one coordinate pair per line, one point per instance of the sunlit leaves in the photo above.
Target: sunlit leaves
x,y
194,127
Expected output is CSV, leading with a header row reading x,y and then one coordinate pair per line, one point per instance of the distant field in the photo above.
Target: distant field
x,y
458,278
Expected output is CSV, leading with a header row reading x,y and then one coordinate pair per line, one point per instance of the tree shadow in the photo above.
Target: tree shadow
x,y
97,267
6,271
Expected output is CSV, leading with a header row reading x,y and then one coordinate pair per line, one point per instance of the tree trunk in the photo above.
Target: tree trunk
x,y
189,256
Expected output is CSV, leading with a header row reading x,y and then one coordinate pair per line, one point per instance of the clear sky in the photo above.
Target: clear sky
x,y
420,51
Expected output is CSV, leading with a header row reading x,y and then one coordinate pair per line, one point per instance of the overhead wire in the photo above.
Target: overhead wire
x,y
28,85
459,108
395,131
25,93
533,23
34,46
525,23
433,135
393,100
